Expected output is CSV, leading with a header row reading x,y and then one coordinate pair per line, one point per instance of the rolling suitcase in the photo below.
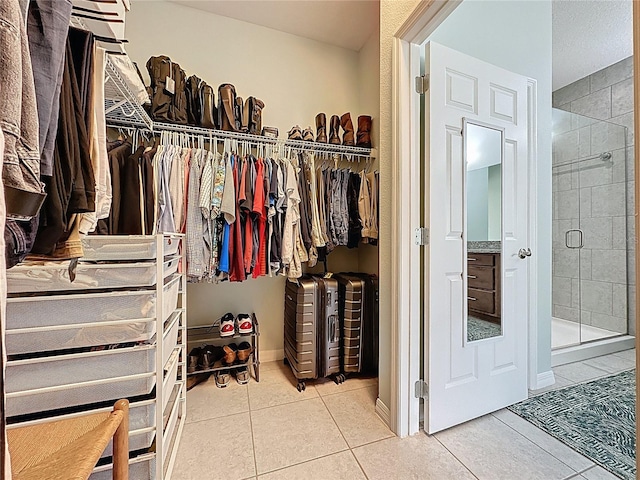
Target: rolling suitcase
x,y
358,300
312,329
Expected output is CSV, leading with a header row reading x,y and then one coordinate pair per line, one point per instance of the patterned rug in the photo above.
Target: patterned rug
x,y
478,329
596,419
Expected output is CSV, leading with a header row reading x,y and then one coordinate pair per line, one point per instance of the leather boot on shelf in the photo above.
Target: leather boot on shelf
x,y
226,107
348,134
254,113
241,124
208,113
364,131
321,128
334,130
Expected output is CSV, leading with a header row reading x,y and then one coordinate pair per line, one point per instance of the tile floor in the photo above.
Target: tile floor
x,y
268,430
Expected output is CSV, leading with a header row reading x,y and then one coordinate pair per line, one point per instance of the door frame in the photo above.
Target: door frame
x,y
407,283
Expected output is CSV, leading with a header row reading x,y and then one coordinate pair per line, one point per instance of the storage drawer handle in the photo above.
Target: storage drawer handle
x,y
472,259
471,276
472,299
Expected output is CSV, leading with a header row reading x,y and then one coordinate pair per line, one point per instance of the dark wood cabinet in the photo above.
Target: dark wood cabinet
x,y
483,277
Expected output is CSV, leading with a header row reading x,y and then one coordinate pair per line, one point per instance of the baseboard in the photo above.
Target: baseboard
x,y
271,355
543,380
588,350
383,412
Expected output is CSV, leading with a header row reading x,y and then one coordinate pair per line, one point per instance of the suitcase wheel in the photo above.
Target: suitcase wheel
x,y
339,378
286,361
301,387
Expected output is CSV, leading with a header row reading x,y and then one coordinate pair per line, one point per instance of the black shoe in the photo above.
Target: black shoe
x,y
195,360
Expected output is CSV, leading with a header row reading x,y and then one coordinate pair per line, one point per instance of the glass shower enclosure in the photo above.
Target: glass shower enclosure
x,y
590,230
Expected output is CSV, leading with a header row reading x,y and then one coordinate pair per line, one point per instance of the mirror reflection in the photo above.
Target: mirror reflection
x,y
483,156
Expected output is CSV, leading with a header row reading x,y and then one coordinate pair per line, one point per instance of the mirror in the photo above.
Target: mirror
x,y
483,151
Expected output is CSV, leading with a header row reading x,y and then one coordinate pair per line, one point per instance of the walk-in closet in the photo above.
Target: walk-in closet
x,y
200,237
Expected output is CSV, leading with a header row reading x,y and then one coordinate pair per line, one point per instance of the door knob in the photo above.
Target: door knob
x,y
524,253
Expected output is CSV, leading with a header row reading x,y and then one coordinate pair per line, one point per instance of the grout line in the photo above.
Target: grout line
x,y
543,448
359,464
253,440
285,403
453,455
580,472
346,391
305,461
335,422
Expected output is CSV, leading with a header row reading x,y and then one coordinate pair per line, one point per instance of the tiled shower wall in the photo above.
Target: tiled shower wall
x,y
599,193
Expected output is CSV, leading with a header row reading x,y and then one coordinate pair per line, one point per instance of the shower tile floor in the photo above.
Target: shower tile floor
x,y
566,332
268,430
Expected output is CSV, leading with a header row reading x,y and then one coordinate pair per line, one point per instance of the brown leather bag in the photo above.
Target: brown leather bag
x,y
167,106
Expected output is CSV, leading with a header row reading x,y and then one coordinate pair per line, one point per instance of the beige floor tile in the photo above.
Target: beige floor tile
x,y
561,382
545,441
206,401
339,466
579,372
628,354
214,449
294,433
277,386
598,473
494,451
611,363
419,457
265,366
326,386
355,414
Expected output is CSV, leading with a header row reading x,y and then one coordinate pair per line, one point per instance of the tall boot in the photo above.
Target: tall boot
x,y
226,107
347,126
321,128
334,130
255,123
239,115
364,131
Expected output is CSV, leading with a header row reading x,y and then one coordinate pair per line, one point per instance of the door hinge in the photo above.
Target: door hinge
x,y
421,236
422,84
422,389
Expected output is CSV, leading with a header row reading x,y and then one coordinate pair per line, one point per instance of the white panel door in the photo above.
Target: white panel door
x,y
470,379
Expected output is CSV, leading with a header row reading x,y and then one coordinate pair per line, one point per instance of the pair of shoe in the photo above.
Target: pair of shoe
x,y
348,139
296,133
242,325
234,354
204,358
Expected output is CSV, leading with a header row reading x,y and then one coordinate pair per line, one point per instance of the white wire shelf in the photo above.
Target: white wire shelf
x,y
123,110
121,105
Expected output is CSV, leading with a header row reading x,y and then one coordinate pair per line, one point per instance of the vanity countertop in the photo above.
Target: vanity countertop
x,y
484,247
484,250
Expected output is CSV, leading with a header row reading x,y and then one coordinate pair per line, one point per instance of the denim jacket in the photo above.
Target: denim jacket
x,y
24,191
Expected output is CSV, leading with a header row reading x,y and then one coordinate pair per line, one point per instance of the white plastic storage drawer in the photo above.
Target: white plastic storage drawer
x,y
61,381
119,247
170,297
170,378
140,468
170,340
39,324
50,276
142,418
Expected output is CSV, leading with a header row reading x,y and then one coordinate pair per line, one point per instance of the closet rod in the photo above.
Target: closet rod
x,y
256,139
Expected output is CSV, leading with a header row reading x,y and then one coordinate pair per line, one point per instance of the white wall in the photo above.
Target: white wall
x,y
392,14
294,76
516,35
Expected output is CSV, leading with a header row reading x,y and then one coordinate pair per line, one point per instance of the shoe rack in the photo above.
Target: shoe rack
x,y
201,336
113,326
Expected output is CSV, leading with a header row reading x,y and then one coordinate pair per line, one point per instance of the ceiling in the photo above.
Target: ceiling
x,y
589,35
344,23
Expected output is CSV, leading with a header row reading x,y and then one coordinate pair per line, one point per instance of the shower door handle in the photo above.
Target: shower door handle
x,y
581,237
